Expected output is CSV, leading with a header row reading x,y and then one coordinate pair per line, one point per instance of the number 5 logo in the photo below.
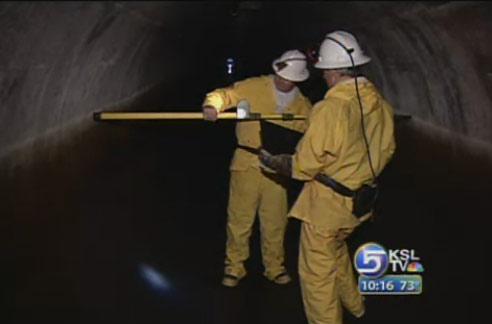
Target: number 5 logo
x,y
371,260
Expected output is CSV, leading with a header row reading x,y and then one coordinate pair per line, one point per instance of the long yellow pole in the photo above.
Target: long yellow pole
x,y
187,115
198,115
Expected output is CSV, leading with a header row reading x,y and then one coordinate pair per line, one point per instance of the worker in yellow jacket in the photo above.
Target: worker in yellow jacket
x,y
334,146
252,190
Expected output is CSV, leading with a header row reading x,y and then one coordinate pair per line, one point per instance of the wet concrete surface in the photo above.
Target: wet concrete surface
x,y
81,225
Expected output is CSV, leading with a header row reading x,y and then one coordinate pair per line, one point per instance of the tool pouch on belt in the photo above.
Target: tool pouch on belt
x,y
363,198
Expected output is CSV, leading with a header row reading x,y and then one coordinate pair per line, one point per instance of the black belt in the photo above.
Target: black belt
x,y
249,149
323,178
336,186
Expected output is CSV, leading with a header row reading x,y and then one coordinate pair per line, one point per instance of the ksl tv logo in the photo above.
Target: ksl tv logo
x,y
372,260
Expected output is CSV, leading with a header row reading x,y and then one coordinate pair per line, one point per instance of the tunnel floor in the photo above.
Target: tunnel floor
x,y
82,226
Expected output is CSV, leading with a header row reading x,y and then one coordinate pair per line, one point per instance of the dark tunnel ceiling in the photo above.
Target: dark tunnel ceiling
x,y
339,14
336,11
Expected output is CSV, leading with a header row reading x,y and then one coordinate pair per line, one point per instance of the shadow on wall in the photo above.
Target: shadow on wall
x,y
458,160
161,96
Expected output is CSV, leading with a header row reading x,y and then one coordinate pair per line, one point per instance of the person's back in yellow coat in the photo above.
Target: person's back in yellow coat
x,y
334,145
252,190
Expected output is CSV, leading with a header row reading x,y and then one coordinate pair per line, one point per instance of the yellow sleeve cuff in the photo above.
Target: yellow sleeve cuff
x,y
215,100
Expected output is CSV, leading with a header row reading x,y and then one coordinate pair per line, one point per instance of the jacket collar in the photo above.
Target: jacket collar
x,y
346,83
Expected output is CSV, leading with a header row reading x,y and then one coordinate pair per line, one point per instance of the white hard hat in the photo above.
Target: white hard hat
x,y
333,56
291,66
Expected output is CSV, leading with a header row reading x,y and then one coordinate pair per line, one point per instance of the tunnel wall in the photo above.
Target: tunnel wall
x,y
435,64
64,61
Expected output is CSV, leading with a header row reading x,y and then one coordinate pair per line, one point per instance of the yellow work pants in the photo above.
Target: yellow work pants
x,y
326,275
251,191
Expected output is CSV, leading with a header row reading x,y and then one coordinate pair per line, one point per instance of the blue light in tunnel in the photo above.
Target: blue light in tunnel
x,y
155,279
230,65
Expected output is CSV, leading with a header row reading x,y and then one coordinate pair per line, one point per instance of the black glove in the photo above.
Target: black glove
x,y
281,163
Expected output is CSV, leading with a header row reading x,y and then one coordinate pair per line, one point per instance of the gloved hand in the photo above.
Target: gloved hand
x,y
281,163
209,113
267,161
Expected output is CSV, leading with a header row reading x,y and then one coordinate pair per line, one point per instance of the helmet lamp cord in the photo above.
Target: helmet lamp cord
x,y
349,52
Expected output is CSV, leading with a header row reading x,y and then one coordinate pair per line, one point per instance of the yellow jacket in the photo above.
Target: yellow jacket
x,y
259,91
333,144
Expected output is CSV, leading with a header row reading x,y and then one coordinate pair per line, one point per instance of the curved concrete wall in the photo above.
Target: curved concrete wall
x,y
435,64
